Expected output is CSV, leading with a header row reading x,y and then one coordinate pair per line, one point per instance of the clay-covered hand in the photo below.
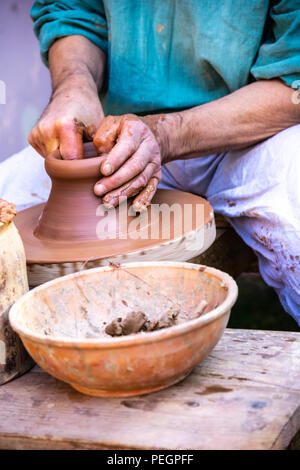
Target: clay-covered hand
x,y
73,114
132,166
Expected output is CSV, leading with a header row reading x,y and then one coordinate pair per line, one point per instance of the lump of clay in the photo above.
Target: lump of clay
x,y
7,211
135,322
167,319
132,323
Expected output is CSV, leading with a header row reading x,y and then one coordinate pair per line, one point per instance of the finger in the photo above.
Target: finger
x,y
47,142
119,136
129,189
70,141
125,147
107,134
33,140
143,200
131,168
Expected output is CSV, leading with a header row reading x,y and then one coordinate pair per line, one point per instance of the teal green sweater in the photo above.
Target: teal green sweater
x,y
175,54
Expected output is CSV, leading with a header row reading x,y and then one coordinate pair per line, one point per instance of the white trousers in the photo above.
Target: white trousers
x,y
257,189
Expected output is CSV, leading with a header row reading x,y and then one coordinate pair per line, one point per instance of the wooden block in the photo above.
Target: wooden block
x,y
14,360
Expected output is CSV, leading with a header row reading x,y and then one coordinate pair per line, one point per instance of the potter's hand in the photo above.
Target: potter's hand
x,y
133,163
73,114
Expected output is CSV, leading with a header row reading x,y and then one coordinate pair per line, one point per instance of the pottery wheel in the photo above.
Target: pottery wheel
x,y
73,226
43,250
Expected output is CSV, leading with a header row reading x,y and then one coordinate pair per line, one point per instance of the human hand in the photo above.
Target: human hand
x,y
132,166
73,114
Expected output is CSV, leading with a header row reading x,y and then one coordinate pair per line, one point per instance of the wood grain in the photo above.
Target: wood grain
x,y
245,395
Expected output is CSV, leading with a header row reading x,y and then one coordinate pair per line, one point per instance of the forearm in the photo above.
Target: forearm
x,y
236,121
74,113
76,61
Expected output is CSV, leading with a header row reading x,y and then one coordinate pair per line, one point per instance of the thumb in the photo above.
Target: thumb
x,y
107,134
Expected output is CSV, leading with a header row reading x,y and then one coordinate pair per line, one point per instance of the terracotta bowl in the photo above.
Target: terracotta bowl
x,y
62,322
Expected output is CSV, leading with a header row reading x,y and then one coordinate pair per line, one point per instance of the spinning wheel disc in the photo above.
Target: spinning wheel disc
x,y
42,249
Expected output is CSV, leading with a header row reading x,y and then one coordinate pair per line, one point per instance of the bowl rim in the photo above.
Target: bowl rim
x,y
133,339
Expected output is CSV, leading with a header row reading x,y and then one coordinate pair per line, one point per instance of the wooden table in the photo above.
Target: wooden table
x,y
245,395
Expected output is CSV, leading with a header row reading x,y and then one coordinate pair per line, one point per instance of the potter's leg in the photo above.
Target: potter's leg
x,y
23,179
259,190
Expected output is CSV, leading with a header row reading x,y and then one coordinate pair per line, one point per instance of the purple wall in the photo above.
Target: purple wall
x,y
26,79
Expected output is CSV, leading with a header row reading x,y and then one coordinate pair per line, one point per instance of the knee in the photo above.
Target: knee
x,y
279,259
279,265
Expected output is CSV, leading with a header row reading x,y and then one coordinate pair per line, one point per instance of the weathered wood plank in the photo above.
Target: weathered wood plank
x,y
245,395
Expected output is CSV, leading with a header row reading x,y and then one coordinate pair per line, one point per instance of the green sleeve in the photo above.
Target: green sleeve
x,y
279,55
56,19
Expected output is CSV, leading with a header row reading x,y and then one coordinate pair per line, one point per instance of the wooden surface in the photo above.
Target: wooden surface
x,y
245,395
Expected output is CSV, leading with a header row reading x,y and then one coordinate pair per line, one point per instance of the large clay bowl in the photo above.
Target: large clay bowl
x,y
61,324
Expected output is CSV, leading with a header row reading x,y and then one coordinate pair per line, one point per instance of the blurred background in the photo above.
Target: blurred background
x,y
27,93
26,78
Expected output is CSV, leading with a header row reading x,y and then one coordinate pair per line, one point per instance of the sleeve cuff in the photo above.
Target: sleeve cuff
x,y
54,29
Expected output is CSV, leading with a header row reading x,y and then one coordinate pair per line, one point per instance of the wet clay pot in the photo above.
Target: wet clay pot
x,y
73,231
62,322
14,359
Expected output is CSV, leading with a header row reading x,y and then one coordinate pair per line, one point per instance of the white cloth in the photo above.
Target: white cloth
x,y
257,189
23,179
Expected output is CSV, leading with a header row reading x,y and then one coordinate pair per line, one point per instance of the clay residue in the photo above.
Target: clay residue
x,y
138,321
134,322
131,323
7,211
144,199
